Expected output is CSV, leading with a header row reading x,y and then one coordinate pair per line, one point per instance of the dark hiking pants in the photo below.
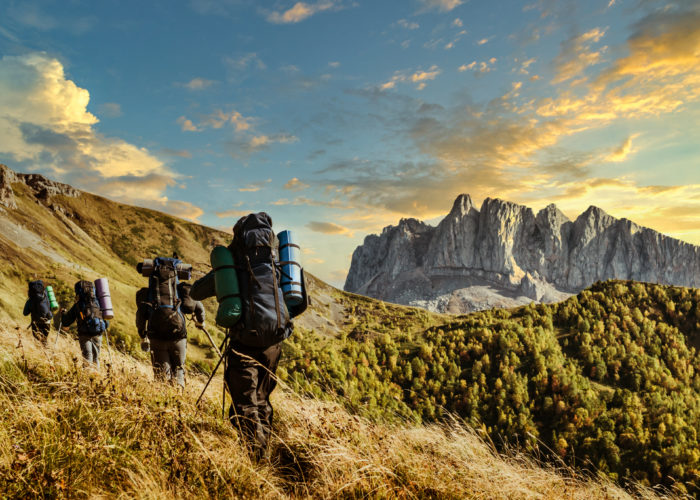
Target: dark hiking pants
x,y
250,380
168,357
90,347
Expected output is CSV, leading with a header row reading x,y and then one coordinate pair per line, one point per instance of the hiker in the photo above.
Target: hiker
x,y
255,341
91,325
38,306
160,319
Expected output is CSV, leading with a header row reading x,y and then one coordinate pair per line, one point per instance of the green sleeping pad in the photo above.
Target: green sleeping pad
x,y
226,283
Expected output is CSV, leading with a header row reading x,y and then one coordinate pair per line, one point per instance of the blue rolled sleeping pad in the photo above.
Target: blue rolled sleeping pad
x,y
290,254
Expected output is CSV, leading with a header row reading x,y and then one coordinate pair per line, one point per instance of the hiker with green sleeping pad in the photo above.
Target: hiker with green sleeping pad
x,y
91,325
245,278
39,307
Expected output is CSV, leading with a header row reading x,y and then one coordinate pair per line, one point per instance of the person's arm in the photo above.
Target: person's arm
x,y
204,287
199,313
141,320
70,316
27,307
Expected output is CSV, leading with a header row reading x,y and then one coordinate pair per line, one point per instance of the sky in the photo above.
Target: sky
x,y
339,117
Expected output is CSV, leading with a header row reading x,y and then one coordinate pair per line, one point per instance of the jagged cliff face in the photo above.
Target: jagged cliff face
x,y
42,188
504,254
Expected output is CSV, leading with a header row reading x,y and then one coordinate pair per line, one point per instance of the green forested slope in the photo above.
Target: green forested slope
x,y
608,379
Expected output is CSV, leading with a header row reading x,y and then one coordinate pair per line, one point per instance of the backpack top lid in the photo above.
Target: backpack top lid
x,y
36,288
253,232
85,291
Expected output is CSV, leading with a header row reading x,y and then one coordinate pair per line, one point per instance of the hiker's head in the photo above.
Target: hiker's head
x,y
176,256
139,267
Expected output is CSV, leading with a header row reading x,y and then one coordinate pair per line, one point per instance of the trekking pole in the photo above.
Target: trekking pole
x,y
109,351
218,352
213,373
58,332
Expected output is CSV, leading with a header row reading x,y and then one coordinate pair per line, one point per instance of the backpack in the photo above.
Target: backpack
x,y
265,319
188,304
89,316
40,307
166,321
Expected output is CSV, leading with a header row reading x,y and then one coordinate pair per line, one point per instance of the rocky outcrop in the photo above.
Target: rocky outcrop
x,y
505,254
42,188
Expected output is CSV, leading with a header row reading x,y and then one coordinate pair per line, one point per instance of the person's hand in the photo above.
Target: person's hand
x,y
145,345
199,325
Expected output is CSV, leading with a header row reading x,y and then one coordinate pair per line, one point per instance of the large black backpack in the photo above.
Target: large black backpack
x,y
265,319
166,321
40,307
89,316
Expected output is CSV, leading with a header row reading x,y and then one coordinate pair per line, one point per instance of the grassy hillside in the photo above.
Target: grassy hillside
x,y
608,380
67,433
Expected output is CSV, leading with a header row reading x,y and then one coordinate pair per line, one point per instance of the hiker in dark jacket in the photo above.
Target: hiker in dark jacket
x,y
37,306
251,360
88,316
168,355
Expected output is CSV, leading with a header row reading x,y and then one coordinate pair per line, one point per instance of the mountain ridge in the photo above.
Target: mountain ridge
x,y
504,254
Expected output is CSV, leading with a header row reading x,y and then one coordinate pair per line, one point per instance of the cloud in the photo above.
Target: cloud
x,y
186,124
181,153
419,77
295,184
255,186
300,11
409,25
239,68
198,84
259,142
577,54
441,5
216,120
110,110
484,41
457,23
45,125
334,64
478,67
328,228
233,213
621,153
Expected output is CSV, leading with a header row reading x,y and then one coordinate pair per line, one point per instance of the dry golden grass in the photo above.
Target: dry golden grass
x,y
68,432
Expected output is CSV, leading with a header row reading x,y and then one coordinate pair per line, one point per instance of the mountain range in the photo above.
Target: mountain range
x,y
504,254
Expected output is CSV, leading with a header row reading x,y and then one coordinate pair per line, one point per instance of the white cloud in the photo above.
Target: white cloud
x,y
216,120
457,22
294,184
45,125
441,5
409,25
300,11
110,109
186,124
255,186
419,77
198,84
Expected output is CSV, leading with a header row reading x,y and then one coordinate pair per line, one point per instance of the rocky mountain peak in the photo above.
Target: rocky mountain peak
x,y
503,255
462,206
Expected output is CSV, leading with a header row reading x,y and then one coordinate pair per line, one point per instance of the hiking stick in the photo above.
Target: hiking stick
x,y
109,351
218,352
58,332
213,373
